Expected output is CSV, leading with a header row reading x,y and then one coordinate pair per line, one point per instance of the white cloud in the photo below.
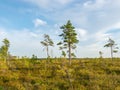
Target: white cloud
x,y
26,42
22,42
40,3
38,22
33,34
64,1
98,17
97,4
89,50
82,34
2,32
111,27
49,4
87,3
95,42
101,4
103,34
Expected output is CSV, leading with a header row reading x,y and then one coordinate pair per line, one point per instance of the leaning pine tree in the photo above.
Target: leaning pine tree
x,y
112,45
69,38
46,43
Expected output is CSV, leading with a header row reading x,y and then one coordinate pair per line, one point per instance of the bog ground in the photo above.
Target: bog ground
x,y
57,74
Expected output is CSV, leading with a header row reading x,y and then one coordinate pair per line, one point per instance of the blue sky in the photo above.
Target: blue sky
x,y
24,22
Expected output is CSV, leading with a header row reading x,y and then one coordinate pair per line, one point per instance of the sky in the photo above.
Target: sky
x,y
24,22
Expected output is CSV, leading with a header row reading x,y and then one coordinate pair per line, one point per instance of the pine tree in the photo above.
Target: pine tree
x,y
4,49
46,43
69,38
112,45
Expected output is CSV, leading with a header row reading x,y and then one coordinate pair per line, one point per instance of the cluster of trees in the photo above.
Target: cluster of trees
x,y
69,40
66,45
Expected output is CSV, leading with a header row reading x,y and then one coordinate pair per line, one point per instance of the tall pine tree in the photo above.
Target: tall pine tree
x,y
69,38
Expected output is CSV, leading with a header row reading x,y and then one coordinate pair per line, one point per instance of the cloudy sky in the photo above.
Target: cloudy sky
x,y
24,22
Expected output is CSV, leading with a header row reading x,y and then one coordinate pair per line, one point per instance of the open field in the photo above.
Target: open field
x,y
94,74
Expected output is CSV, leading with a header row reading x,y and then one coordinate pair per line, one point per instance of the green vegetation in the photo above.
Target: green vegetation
x,y
86,74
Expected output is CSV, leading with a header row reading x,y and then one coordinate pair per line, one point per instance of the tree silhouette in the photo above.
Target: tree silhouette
x,y
69,38
112,45
46,43
4,49
101,53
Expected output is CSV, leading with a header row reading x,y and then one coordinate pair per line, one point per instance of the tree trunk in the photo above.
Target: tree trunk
x,y
69,53
111,53
47,52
